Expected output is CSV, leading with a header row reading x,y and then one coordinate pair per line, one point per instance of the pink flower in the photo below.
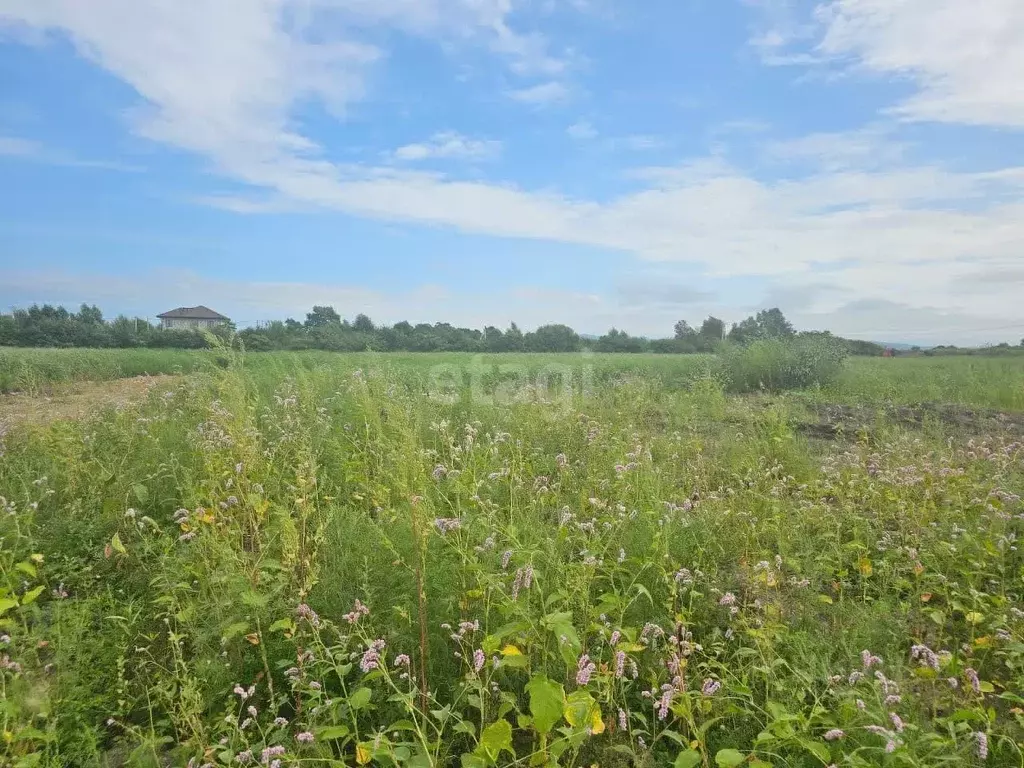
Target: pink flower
x,y
584,669
305,737
710,687
834,735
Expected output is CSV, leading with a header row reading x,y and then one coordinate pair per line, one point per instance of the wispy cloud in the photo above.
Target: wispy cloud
x,y
967,61
543,93
34,151
449,145
582,130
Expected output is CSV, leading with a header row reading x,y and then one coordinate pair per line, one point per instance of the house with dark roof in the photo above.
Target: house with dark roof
x,y
192,317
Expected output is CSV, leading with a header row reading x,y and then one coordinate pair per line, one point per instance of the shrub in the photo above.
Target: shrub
x,y
774,365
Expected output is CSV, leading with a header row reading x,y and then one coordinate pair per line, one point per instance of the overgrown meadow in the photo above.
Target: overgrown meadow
x,y
282,562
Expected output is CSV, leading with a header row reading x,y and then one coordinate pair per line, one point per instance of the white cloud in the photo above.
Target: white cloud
x,y
543,93
449,145
582,130
874,147
966,59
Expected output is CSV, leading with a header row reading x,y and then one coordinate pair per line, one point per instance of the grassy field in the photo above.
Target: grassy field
x,y
994,382
40,370
405,560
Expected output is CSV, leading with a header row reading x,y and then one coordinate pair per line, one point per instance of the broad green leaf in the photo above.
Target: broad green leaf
x,y
6,603
333,732
729,758
472,761
235,630
690,758
546,702
360,698
496,737
117,545
30,596
27,568
141,493
282,624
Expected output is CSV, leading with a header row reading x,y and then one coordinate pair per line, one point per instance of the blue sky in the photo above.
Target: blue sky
x,y
595,162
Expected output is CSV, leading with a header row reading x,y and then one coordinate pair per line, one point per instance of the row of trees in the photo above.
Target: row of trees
x,y
324,328
49,326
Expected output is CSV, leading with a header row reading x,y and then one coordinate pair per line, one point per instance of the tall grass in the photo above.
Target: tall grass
x,y
34,370
293,559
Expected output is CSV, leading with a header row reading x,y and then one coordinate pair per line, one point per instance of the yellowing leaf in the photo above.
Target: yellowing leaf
x,y
982,642
253,638
511,650
974,617
364,753
117,545
864,566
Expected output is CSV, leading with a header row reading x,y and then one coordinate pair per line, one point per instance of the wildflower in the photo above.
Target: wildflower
x,y
245,723
622,555
868,660
241,693
972,676
710,687
622,720
834,735
506,558
252,711
307,613
371,658
60,593
357,610
897,723
616,636
280,722
981,746
667,692
305,737
5,639
890,747
439,472
855,677
953,682
479,659
584,669
402,660
244,758
727,599
926,656
315,685
892,700
861,705
447,524
187,536
620,663
684,577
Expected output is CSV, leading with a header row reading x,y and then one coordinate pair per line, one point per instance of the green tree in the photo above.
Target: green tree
x,y
322,317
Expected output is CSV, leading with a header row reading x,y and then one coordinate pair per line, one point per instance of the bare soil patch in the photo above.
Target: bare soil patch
x,y
837,420
75,401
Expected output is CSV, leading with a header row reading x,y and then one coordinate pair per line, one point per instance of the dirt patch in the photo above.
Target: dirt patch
x,y
75,400
836,420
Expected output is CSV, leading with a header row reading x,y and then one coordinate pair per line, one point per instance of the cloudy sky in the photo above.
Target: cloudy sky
x,y
858,163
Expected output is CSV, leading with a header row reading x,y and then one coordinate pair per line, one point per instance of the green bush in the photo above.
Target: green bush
x,y
774,365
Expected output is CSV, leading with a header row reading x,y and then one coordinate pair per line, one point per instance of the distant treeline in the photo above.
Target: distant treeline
x,y
324,328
